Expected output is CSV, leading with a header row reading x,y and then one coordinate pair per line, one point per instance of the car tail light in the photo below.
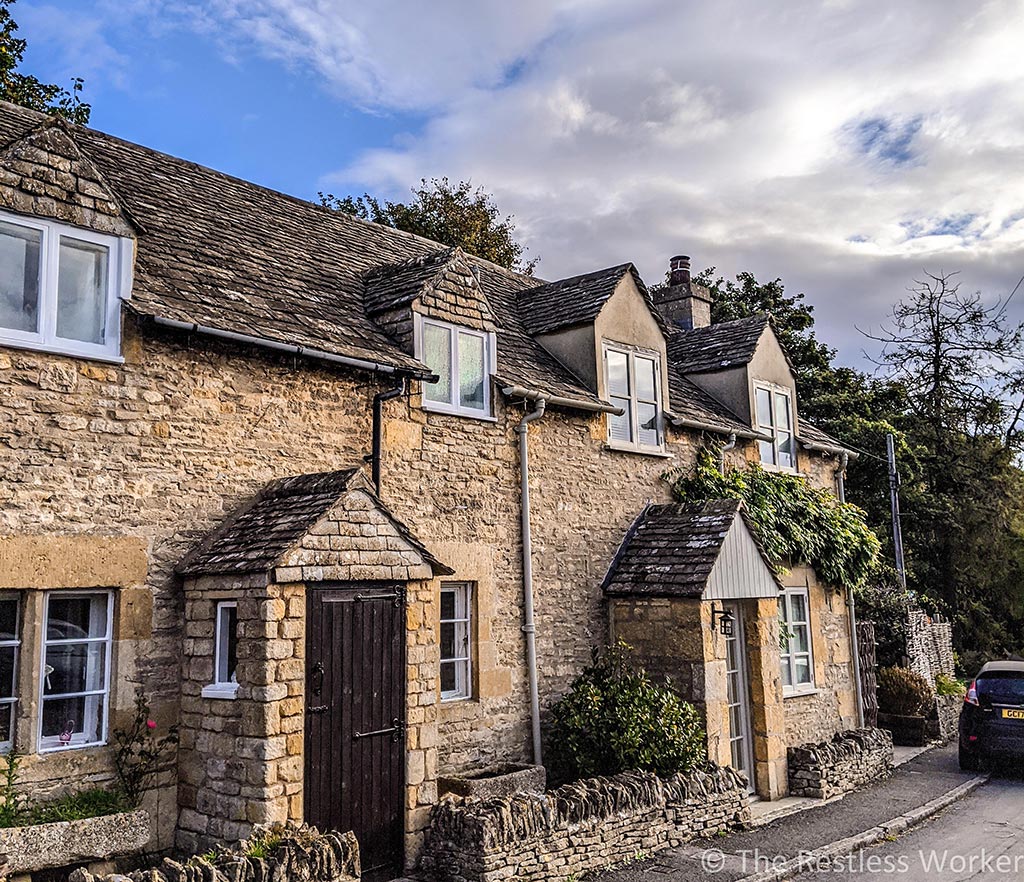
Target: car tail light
x,y
972,694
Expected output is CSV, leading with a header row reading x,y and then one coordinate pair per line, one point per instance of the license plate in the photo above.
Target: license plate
x,y
1013,714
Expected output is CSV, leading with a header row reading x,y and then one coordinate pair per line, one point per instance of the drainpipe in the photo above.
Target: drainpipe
x,y
528,624
729,445
841,476
855,649
378,419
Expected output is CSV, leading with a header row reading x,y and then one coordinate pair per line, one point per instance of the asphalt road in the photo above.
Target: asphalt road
x,y
980,837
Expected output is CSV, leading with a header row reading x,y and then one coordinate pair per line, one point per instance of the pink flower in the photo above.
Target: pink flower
x,y
150,724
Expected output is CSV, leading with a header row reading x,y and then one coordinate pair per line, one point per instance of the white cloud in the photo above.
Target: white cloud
x,y
842,146
83,47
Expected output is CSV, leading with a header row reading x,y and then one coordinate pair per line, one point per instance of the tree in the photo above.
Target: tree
x,y
27,90
452,214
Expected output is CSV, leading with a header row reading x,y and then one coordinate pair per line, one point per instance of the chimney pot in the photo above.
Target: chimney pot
x,y
679,270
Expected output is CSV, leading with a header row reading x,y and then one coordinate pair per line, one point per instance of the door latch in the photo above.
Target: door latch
x,y
396,731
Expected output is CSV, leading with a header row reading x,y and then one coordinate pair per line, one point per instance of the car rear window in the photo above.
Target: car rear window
x,y
1002,687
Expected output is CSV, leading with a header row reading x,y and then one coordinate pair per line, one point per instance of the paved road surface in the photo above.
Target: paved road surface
x,y
981,837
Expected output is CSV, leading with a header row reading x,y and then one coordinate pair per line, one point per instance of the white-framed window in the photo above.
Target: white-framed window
x,y
774,409
61,287
10,650
463,360
633,381
75,683
225,652
797,649
456,640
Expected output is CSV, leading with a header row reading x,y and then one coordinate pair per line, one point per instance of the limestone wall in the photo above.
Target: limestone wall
x,y
843,763
929,645
581,827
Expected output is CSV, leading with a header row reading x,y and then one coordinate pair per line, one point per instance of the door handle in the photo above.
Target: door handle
x,y
396,730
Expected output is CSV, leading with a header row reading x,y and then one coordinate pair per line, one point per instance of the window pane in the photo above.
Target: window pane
x,y
782,419
75,618
82,716
785,442
787,676
8,658
767,451
74,667
802,670
448,677
437,355
621,427
798,607
447,640
648,417
800,641
227,650
447,604
20,250
646,379
471,371
82,291
618,372
9,619
764,408
6,722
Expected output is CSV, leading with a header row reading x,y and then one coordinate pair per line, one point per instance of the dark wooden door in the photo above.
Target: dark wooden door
x,y
355,719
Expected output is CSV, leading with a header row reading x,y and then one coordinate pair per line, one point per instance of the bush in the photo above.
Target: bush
x,y
903,692
946,685
615,718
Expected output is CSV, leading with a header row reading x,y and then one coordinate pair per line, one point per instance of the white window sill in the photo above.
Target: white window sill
x,y
221,690
799,693
782,470
431,407
67,349
455,699
56,747
656,452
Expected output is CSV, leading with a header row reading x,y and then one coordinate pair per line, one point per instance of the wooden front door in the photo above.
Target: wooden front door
x,y
355,719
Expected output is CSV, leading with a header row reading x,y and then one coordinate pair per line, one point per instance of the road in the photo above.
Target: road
x,y
980,837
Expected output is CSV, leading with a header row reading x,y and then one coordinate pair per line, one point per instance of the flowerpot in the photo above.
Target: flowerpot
x,y
907,731
492,781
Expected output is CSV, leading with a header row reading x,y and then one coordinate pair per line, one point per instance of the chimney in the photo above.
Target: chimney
x,y
681,302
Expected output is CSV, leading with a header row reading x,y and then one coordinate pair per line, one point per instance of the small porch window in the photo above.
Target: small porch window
x,y
75,682
797,650
456,631
10,649
225,656
775,418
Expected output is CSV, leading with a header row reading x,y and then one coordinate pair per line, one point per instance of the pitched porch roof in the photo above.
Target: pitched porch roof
x,y
703,552
296,523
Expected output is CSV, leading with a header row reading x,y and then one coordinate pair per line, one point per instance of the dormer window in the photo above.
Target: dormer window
x,y
463,360
633,382
61,286
775,418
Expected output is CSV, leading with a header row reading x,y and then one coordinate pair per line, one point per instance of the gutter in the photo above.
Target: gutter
x,y
316,354
827,448
687,423
529,627
556,401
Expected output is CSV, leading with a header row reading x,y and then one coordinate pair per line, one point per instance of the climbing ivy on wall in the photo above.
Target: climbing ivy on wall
x,y
794,522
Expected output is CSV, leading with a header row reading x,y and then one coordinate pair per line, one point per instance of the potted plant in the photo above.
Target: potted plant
x,y
905,699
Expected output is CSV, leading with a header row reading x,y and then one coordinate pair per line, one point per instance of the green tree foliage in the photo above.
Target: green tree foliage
x,y
452,214
795,523
27,90
615,718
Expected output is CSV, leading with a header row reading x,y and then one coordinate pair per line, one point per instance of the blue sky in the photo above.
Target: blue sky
x,y
843,145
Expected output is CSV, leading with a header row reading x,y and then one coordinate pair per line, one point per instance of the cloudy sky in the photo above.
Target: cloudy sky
x,y
843,146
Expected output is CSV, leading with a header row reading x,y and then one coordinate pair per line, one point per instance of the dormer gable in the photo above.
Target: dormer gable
x,y
441,285
45,174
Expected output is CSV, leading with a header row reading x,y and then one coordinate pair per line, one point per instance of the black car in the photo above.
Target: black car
x,y
992,719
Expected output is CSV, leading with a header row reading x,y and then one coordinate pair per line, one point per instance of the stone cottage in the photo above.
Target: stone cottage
x,y
353,507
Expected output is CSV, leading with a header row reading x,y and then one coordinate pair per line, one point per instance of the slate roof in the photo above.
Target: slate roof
x,y
672,548
394,285
573,301
813,437
255,538
717,347
228,254
690,405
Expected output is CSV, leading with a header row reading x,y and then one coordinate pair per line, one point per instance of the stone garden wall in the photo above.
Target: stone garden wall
x,y
947,711
846,762
580,827
929,645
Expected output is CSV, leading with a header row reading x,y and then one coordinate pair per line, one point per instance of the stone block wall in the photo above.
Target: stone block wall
x,y
841,764
947,717
929,645
581,827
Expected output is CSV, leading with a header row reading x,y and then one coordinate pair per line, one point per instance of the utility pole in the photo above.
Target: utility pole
x,y
894,498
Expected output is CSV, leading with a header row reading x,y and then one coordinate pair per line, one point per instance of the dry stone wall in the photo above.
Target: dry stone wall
x,y
929,645
581,827
841,764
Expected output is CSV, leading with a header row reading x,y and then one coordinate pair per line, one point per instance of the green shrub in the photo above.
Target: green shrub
x,y
76,806
615,718
903,692
946,685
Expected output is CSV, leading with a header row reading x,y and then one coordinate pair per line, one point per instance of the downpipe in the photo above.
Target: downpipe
x,y
725,448
841,476
529,628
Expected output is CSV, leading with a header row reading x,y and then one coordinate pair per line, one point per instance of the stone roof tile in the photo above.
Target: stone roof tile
x,y
716,347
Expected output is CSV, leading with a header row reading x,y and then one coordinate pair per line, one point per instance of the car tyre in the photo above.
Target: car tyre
x,y
969,762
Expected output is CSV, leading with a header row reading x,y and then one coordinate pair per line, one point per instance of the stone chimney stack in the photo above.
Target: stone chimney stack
x,y
682,302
